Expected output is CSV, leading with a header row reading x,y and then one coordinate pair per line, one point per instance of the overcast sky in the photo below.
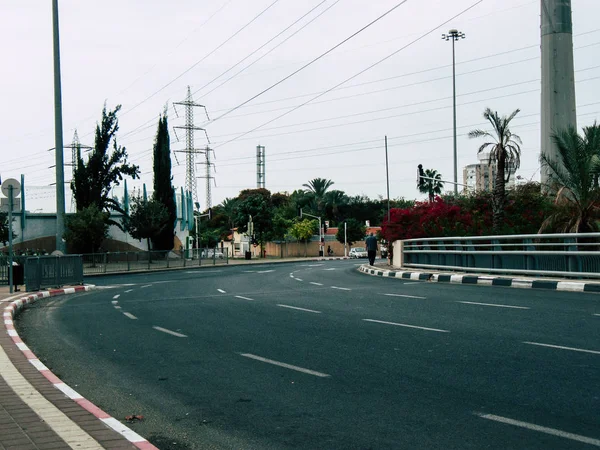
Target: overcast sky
x,y
143,54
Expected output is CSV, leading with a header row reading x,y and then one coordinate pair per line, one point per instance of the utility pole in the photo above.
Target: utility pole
x,y
387,177
58,134
321,246
558,78
190,151
454,35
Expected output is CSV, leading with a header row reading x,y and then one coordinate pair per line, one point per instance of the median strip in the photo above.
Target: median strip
x,y
541,429
174,333
287,366
406,325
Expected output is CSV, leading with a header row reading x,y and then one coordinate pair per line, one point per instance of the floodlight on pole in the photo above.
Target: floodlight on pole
x,y
454,35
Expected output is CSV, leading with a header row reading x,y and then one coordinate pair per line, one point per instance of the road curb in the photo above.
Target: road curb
x,y
9,313
484,280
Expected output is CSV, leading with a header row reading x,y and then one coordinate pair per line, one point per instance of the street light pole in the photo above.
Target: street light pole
x,y
454,35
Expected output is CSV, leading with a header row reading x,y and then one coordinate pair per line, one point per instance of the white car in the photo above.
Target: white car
x,y
211,253
358,252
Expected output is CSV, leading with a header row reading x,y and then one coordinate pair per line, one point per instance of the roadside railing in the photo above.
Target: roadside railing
x,y
52,271
114,262
570,255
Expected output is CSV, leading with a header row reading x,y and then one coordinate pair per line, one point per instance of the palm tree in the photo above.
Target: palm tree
x,y
317,187
575,171
432,184
505,152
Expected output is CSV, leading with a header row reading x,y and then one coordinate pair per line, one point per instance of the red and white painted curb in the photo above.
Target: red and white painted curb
x,y
11,311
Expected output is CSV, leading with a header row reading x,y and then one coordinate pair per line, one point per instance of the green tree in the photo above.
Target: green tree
x,y
93,180
86,230
432,184
317,188
163,184
505,152
256,203
577,197
146,220
355,231
303,230
4,228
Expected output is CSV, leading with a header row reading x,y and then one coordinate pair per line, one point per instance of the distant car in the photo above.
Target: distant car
x,y
358,252
384,251
212,253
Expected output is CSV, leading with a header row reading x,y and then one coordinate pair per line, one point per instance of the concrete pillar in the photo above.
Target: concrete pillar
x,y
558,80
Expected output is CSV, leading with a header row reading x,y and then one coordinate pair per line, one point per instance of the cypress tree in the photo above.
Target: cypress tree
x,y
163,186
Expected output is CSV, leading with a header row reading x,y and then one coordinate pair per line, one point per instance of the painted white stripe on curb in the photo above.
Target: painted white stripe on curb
x,y
71,393
560,347
405,325
405,296
340,288
521,283
316,284
174,333
8,322
491,304
221,291
414,276
131,316
12,333
38,364
300,309
21,346
244,298
456,278
570,286
546,430
128,433
69,290
287,366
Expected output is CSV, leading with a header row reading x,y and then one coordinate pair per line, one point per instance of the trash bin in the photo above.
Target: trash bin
x,y
320,252
248,255
18,275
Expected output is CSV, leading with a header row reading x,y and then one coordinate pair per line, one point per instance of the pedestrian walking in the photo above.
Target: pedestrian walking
x,y
371,243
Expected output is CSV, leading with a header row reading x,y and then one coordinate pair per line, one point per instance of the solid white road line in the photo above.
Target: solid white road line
x,y
131,316
331,268
340,288
221,291
413,282
116,296
287,366
405,296
128,291
597,314
531,426
560,347
405,325
491,304
203,271
316,284
243,298
300,309
174,333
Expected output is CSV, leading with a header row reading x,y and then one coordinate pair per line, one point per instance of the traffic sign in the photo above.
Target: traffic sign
x,y
16,187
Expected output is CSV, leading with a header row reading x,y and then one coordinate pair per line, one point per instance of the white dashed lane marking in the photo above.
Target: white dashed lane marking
x,y
174,333
131,316
300,309
340,288
116,296
221,291
299,279
316,284
405,296
128,291
560,347
114,302
406,325
244,298
146,285
287,366
546,430
497,306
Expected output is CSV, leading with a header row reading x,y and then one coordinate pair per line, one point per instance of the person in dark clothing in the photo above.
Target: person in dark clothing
x,y
371,243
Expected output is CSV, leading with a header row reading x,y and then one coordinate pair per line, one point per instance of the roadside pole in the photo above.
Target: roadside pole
x,y
10,240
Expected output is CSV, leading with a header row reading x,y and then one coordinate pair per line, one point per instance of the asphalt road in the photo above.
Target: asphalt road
x,y
318,356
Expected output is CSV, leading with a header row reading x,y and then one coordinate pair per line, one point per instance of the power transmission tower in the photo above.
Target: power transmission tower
x,y
558,78
190,151
75,155
207,162
260,166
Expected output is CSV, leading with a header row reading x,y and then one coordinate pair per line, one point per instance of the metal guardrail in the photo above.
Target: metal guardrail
x,y
100,263
570,255
52,271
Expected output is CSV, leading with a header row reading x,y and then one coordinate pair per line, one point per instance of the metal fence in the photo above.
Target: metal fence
x,y
52,271
571,255
99,263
